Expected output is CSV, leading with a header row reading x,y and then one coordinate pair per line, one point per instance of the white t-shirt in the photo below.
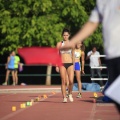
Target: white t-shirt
x,y
94,60
108,12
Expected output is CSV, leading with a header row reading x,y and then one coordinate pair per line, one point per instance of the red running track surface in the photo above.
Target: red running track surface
x,y
52,107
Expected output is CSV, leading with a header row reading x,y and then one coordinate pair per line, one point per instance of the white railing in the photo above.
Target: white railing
x,y
98,55
99,78
103,67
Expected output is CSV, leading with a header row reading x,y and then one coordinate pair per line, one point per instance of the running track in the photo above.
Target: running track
x,y
52,107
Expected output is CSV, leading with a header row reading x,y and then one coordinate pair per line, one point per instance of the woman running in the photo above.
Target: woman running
x,y
79,54
67,69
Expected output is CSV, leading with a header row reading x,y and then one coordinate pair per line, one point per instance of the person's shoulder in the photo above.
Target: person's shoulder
x,y
77,50
17,57
82,52
97,52
9,57
89,51
59,43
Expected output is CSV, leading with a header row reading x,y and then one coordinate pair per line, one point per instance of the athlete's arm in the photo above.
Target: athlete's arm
x,y
73,55
8,59
100,62
57,46
83,60
88,56
19,61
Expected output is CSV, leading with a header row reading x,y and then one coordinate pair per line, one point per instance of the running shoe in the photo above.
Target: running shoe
x,y
5,83
79,95
70,98
16,83
67,95
65,100
13,84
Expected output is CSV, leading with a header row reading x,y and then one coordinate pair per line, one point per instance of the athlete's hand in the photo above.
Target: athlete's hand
x,y
57,69
83,72
100,68
6,67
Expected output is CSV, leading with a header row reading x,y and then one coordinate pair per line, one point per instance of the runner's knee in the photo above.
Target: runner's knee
x,y
63,81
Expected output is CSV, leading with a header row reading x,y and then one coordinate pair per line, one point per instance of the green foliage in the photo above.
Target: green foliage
x,y
40,22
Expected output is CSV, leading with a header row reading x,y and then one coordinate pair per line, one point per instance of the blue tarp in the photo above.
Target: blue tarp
x,y
94,87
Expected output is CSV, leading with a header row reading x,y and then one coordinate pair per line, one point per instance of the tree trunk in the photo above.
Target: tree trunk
x,y
48,77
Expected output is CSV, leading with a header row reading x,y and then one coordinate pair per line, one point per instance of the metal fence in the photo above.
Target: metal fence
x,y
27,74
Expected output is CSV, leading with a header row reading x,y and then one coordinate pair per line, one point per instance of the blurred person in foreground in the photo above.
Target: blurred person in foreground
x,y
106,12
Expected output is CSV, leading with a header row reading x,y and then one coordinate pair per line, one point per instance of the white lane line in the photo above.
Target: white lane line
x,y
30,89
93,112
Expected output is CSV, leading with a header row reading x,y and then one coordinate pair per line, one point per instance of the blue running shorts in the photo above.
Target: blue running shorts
x,y
77,66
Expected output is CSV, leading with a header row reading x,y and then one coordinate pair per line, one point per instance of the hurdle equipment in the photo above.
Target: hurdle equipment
x,y
32,100
95,95
44,96
21,105
28,103
24,105
31,103
37,99
13,108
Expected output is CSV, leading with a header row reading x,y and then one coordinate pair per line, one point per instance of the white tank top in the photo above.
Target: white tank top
x,y
65,51
77,54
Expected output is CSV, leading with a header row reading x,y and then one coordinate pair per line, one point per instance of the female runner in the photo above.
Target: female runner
x,y
79,54
67,69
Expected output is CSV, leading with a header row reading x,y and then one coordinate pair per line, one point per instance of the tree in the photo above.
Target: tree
x,y
40,22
